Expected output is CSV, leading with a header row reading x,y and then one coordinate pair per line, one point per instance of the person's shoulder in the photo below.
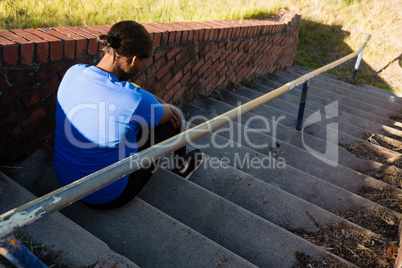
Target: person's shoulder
x,y
130,86
77,68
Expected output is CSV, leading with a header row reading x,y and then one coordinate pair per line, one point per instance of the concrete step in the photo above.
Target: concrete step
x,y
248,235
330,136
63,243
362,125
251,94
314,102
294,97
347,123
247,205
138,231
293,157
368,89
328,97
272,149
123,228
324,86
152,238
284,77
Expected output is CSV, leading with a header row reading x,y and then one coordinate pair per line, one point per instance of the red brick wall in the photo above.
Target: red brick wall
x,y
189,58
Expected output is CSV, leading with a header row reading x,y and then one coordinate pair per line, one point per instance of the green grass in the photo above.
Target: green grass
x,y
329,30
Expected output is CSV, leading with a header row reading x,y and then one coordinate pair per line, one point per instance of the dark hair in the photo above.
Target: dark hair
x,y
128,39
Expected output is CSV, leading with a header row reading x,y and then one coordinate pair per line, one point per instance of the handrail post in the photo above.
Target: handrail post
x,y
14,251
302,105
359,58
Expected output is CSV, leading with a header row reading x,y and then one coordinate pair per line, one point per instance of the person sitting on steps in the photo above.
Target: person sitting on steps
x,y
102,118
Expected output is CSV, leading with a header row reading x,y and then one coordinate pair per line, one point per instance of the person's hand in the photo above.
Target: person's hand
x,y
175,120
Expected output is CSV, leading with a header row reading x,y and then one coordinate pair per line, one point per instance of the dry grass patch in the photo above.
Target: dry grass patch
x,y
356,247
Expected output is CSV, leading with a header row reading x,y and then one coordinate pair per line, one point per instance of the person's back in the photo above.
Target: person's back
x,y
100,116
94,126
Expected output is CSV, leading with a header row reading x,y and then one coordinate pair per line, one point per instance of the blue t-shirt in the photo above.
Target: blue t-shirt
x,y
97,122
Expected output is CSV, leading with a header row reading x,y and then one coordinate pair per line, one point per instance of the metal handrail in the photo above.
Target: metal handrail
x,y
31,212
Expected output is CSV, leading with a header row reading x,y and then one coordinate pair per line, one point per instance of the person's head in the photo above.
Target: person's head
x,y
128,41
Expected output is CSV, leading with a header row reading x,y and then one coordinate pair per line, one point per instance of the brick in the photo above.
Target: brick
x,y
222,82
26,47
150,27
62,72
10,51
235,45
228,45
204,67
187,67
159,55
17,91
172,53
33,117
171,38
170,93
217,55
51,101
179,95
184,37
225,33
207,32
81,42
93,31
140,80
194,80
173,81
42,46
91,39
201,37
44,72
164,69
157,39
236,58
185,78
212,69
242,44
164,39
178,37
209,54
147,62
16,75
11,115
230,57
225,55
98,29
105,27
154,67
220,67
196,33
197,66
165,80
3,83
68,42
55,44
42,92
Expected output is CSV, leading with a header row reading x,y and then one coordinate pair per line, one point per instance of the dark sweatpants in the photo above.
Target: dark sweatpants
x,y
139,178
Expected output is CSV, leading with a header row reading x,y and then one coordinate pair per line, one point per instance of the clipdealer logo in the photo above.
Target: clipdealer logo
x,y
330,155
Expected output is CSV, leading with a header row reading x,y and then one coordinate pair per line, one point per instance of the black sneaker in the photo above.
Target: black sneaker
x,y
194,160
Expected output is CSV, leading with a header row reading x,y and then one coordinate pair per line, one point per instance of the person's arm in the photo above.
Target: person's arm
x,y
170,114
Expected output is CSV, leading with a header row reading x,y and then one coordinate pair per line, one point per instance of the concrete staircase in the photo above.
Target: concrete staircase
x,y
267,194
